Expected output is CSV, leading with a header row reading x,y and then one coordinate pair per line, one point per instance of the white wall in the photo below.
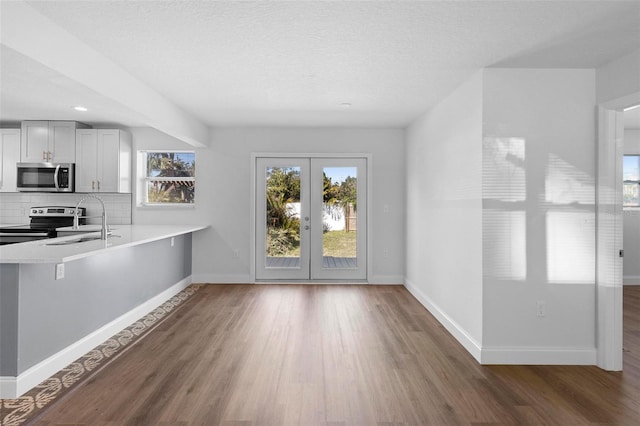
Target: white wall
x,y
632,141
444,212
501,215
539,133
619,78
631,220
223,193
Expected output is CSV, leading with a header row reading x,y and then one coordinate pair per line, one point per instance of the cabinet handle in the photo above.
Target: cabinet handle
x,y
98,185
93,185
44,155
49,155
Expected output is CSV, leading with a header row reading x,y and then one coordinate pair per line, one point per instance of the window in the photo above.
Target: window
x,y
169,177
631,178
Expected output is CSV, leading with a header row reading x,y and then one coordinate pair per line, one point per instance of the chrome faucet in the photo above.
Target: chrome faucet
x,y
76,216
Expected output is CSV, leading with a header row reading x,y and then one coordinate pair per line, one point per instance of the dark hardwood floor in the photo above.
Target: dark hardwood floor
x,y
336,355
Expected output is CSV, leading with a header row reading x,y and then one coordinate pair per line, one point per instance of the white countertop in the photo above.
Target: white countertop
x,y
40,251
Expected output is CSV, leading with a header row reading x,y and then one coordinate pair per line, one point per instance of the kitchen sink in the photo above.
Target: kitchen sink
x,y
76,240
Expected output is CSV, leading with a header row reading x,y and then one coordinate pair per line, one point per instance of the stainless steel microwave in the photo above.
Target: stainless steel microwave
x,y
46,177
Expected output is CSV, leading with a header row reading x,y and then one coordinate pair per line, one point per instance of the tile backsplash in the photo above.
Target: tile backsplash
x,y
14,206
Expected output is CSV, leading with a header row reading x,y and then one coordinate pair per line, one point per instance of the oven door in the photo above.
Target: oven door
x,y
45,177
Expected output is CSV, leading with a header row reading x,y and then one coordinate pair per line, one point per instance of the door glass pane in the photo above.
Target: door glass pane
x,y
340,217
282,217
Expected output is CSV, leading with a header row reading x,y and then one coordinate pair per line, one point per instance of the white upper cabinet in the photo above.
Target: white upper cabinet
x,y
49,141
9,156
103,160
62,141
35,141
86,155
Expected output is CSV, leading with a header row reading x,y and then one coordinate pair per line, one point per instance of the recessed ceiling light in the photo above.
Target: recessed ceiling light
x,y
632,107
80,108
345,104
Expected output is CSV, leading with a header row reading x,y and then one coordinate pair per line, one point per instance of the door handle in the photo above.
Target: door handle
x,y
55,177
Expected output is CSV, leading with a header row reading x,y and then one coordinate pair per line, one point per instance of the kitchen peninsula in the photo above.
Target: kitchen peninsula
x,y
61,297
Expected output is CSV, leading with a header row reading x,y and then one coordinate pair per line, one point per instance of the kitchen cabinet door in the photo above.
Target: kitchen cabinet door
x,y
108,166
86,155
62,141
9,156
35,141
103,160
48,141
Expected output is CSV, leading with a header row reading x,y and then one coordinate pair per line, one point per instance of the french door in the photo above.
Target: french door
x,y
311,218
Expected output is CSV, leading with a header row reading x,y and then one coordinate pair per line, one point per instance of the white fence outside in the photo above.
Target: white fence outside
x,y
334,221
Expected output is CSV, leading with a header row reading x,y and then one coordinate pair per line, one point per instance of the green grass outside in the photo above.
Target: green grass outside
x,y
335,243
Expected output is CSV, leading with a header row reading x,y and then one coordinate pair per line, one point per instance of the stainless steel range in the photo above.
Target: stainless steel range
x,y
43,224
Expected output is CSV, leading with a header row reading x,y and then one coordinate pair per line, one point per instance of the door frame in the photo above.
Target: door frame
x,y
369,227
609,280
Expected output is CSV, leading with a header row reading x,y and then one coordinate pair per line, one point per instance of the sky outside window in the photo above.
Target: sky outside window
x,y
630,167
339,174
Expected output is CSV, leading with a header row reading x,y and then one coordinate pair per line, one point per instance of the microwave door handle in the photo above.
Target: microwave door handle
x,y
55,177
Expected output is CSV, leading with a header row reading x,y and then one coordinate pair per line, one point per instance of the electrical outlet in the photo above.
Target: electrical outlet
x,y
385,208
59,271
541,308
236,253
385,254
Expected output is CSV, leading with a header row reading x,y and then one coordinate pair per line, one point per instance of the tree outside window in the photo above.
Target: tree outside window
x,y
170,177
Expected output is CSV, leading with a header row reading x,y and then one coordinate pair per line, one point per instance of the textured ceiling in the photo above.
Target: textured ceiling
x,y
296,63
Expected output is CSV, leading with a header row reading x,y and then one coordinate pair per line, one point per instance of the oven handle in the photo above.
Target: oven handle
x,y
24,234
55,177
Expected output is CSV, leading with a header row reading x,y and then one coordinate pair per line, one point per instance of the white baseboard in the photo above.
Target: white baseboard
x,y
631,280
452,327
387,279
505,355
539,356
246,279
8,387
222,279
13,387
